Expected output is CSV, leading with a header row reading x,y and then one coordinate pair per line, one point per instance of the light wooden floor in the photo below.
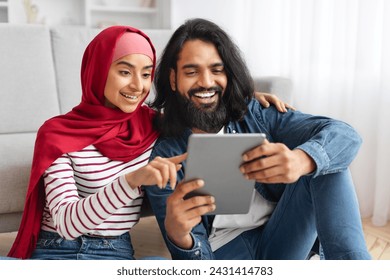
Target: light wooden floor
x,y
148,242
377,239
147,239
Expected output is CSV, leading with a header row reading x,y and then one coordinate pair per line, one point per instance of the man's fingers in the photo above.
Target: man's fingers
x,y
199,205
259,164
256,152
188,186
198,212
193,207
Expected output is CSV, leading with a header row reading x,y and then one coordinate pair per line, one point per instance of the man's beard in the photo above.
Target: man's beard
x,y
207,119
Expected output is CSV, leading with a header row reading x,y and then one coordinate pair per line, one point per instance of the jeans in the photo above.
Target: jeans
x,y
6,258
325,206
51,246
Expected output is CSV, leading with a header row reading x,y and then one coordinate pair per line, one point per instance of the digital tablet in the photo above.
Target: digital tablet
x,y
216,159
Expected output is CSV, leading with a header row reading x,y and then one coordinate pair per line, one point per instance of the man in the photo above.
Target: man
x,y
303,186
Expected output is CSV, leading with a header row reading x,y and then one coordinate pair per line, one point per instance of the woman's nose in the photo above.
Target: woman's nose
x,y
136,84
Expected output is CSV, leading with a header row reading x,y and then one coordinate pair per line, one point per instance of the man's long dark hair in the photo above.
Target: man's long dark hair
x,y
239,88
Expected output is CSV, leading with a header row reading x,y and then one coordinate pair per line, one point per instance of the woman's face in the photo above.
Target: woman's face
x,y
128,82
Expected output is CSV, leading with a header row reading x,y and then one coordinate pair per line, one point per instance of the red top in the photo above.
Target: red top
x,y
117,135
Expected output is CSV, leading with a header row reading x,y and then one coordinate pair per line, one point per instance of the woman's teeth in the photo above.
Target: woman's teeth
x,y
129,96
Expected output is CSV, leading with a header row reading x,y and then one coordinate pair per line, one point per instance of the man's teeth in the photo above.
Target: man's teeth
x,y
205,94
129,96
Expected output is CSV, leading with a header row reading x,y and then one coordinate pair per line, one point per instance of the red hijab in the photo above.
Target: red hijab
x,y
118,135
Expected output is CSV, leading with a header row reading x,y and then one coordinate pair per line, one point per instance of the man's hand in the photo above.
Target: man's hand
x,y
182,215
276,163
157,172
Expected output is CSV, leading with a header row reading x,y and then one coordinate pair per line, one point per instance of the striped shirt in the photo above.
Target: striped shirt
x,y
87,193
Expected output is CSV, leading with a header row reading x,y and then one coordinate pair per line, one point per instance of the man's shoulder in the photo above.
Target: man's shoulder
x,y
171,146
256,110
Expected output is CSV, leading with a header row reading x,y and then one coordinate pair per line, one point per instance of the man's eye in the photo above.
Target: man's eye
x,y
218,71
191,73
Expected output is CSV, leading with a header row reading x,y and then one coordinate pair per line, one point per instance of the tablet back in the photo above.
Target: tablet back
x,y
216,159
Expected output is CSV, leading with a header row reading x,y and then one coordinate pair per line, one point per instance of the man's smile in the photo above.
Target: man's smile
x,y
208,94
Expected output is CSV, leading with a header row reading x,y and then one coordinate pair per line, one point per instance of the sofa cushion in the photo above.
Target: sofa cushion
x,y
16,152
280,86
28,91
160,39
69,43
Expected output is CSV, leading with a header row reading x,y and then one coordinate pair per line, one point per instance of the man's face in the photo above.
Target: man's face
x,y
200,75
200,82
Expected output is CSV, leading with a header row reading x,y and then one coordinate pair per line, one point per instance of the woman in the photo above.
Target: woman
x,y
84,192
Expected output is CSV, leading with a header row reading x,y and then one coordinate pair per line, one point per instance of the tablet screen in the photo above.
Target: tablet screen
x,y
216,159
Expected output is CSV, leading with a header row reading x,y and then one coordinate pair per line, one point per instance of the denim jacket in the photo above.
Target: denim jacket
x,y
332,145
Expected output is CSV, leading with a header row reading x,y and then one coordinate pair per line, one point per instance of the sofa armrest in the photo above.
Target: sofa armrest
x,y
280,86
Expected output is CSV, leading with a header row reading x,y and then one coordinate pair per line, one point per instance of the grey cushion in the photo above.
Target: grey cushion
x,y
160,39
9,222
280,86
16,152
69,43
28,90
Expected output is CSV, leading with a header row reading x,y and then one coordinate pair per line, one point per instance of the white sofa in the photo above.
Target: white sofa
x,y
39,78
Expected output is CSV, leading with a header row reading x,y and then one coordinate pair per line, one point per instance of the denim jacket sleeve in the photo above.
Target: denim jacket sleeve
x,y
331,143
157,197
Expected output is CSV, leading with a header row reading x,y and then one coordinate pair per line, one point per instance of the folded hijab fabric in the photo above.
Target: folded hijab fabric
x,y
118,135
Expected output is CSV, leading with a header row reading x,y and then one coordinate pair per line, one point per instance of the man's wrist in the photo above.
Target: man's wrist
x,y
308,165
184,242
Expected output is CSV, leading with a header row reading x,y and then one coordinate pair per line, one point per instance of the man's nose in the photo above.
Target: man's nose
x,y
206,80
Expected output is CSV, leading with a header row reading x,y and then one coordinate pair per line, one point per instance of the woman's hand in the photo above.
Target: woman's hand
x,y
266,99
157,172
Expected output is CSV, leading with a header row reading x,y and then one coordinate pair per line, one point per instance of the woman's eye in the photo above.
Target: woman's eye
x,y
147,75
124,73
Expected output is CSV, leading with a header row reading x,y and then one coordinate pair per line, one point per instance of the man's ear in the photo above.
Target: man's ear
x,y
172,79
